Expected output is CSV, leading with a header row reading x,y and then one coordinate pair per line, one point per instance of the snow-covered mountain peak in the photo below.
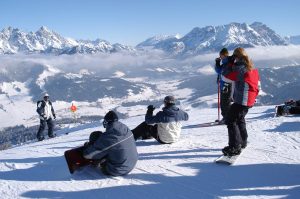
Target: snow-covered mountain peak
x,y
47,41
9,30
44,29
212,38
197,41
157,39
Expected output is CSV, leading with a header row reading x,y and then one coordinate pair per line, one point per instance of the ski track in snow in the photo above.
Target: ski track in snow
x,y
268,168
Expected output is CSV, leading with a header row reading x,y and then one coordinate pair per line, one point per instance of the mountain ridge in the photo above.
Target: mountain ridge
x,y
212,38
198,41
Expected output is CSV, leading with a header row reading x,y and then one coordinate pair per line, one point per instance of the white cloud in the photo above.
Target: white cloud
x,y
274,52
126,61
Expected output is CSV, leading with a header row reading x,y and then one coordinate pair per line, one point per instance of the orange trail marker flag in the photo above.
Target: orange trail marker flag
x,y
73,108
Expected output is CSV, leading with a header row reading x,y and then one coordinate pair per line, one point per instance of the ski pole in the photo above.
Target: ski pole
x,y
219,98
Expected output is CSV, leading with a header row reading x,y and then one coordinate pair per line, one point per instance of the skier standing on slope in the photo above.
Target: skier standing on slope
x,y
165,126
114,150
47,114
246,88
225,86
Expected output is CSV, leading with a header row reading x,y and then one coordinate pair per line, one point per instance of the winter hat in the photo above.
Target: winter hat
x,y
169,99
224,51
111,116
46,95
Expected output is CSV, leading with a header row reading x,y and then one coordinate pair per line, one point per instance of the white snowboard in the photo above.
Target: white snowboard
x,y
229,160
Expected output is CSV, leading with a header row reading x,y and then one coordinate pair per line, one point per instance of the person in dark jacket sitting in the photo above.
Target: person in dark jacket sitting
x,y
165,126
115,149
289,107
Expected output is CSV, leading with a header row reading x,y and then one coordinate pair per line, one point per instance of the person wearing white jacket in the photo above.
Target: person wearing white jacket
x,y
47,114
165,126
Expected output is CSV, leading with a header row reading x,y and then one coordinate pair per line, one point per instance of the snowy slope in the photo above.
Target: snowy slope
x,y
268,168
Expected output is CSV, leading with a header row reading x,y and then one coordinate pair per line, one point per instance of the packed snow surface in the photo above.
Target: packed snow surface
x,y
268,168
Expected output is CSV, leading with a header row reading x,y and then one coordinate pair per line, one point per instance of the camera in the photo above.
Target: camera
x,y
231,58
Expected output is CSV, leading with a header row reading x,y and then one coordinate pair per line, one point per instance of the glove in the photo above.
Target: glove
x,y
44,117
151,108
54,116
218,79
86,144
218,62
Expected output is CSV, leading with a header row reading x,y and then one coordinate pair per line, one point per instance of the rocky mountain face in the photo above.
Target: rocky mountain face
x,y
197,41
213,38
14,41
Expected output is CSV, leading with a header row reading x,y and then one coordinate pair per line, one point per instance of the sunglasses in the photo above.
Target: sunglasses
x,y
105,123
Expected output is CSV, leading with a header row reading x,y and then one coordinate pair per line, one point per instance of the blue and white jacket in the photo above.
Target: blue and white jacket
x,y
222,69
168,123
117,146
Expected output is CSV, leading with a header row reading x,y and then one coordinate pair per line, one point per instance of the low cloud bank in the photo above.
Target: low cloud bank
x,y
129,61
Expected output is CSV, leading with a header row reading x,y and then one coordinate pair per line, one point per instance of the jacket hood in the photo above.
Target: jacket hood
x,y
117,128
171,110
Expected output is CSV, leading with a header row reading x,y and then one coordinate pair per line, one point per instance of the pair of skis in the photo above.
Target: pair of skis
x,y
207,124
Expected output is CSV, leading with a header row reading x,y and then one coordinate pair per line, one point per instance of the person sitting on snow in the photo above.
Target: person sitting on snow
x,y
165,126
289,107
46,113
114,150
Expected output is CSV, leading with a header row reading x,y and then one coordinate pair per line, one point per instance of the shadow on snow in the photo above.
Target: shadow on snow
x,y
210,181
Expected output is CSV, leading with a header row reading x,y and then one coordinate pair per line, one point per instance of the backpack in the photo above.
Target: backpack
x,y
43,104
291,103
38,102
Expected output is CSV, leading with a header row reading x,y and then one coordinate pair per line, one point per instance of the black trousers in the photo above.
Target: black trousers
x,y
236,125
295,110
145,131
225,99
43,123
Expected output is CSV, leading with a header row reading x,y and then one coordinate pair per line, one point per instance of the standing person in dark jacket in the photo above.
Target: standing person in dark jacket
x,y
165,126
114,149
246,89
225,86
47,114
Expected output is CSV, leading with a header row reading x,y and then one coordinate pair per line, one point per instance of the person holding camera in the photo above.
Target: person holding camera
x,y
225,86
246,88
47,114
165,126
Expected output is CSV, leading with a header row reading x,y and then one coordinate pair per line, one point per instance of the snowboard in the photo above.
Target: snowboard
x,y
228,160
75,160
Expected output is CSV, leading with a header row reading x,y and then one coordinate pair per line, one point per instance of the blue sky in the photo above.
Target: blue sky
x,y
132,21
